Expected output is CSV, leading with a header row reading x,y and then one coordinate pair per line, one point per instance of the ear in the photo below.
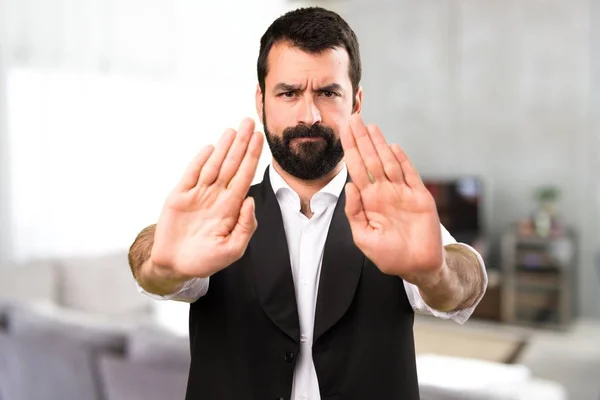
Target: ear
x,y
358,100
259,104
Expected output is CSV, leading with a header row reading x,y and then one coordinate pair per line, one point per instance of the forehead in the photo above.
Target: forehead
x,y
291,65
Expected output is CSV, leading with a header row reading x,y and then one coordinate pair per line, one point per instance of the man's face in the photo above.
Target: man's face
x,y
307,99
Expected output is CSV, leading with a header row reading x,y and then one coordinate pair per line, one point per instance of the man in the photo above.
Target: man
x,y
304,286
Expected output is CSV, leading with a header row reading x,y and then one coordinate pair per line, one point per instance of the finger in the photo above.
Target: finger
x,y
354,207
356,167
192,172
366,148
391,166
245,174
245,227
236,154
411,176
213,167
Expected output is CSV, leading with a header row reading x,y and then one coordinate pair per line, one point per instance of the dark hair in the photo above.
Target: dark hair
x,y
313,30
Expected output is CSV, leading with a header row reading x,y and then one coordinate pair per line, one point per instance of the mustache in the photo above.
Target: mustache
x,y
308,131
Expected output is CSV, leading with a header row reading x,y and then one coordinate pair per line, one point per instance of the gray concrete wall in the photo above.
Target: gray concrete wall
x,y
497,88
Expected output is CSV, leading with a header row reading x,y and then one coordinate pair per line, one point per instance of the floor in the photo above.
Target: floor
x,y
467,343
571,358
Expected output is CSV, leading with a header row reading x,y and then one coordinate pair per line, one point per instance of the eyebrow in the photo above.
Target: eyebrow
x,y
286,87
334,87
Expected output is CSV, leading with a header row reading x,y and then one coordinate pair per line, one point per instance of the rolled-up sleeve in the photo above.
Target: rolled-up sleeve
x,y
459,316
191,291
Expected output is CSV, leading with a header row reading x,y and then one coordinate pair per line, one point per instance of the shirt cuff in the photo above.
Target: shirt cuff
x,y
459,316
191,291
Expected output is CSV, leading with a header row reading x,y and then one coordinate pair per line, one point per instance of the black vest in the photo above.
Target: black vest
x,y
245,335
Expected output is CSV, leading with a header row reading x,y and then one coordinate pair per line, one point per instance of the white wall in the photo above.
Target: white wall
x,y
107,101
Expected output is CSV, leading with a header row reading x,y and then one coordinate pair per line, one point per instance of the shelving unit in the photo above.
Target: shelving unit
x,y
538,276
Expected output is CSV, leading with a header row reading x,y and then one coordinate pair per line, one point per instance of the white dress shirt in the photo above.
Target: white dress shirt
x,y
306,241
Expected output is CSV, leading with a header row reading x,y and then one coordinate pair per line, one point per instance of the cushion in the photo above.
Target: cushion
x,y
123,380
36,322
152,346
49,368
5,348
456,378
100,284
531,389
122,322
27,282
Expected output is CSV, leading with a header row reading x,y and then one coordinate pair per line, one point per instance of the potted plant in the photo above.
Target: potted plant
x,y
545,216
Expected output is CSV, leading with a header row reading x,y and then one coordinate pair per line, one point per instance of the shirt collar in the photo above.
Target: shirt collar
x,y
330,193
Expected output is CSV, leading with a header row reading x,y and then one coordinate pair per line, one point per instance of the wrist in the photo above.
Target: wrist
x,y
431,278
438,289
168,274
160,279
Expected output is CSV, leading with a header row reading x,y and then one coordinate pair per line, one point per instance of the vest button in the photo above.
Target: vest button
x,y
289,357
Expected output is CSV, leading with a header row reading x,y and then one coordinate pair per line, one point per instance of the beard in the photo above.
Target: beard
x,y
305,159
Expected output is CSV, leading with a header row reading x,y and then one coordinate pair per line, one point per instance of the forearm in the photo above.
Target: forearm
x,y
160,280
458,284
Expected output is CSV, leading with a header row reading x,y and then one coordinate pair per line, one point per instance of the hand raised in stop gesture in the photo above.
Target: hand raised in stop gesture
x,y
392,214
207,220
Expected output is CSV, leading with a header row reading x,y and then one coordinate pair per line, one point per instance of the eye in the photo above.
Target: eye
x,y
289,95
328,94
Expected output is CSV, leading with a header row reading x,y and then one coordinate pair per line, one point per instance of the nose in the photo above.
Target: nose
x,y
308,112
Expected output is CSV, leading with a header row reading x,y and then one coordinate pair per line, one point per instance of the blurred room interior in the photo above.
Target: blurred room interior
x,y
104,102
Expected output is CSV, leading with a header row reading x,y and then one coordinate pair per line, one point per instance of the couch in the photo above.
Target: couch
x,y
78,329
454,378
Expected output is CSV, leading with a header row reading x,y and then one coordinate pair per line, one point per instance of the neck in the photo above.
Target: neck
x,y
306,189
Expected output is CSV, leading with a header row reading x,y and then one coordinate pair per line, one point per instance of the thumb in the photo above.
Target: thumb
x,y
354,207
246,225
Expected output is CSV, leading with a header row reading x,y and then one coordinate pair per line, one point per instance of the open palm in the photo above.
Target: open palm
x,y
392,215
207,220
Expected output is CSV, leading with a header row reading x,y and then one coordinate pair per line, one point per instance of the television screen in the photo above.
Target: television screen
x,y
458,203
